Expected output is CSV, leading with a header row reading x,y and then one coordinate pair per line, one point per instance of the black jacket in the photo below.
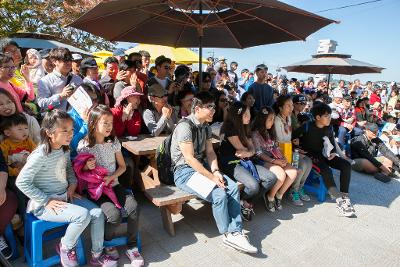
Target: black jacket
x,y
361,147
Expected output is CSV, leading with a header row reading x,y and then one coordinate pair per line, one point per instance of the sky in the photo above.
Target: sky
x,y
369,33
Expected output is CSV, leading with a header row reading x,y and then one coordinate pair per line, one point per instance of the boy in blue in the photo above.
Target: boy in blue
x,y
318,140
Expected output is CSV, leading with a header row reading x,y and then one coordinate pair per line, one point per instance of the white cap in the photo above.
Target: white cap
x,y
337,94
221,58
76,57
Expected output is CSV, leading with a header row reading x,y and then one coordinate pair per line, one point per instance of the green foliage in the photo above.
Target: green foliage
x,y
50,17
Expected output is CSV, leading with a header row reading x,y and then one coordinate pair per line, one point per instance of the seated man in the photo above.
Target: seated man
x,y
198,157
318,140
347,121
364,151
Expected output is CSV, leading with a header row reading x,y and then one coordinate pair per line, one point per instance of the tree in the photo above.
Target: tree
x,y
50,17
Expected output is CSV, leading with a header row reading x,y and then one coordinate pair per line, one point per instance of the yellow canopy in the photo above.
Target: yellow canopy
x,y
102,53
179,55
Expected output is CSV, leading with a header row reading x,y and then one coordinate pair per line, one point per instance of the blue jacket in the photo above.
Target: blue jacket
x,y
80,131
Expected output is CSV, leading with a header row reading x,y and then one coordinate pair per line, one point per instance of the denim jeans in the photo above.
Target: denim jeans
x,y
78,215
251,186
225,202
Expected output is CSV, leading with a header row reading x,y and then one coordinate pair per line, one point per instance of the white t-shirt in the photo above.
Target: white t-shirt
x,y
163,83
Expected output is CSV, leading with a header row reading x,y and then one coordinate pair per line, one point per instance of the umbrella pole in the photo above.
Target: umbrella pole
x,y
329,79
200,32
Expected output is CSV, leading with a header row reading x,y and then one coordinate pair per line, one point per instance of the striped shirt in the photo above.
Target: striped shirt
x,y
45,175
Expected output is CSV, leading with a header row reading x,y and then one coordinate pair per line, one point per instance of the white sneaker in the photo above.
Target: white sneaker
x,y
239,241
343,208
135,257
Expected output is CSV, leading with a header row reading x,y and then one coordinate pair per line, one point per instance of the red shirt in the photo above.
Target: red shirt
x,y
131,127
374,98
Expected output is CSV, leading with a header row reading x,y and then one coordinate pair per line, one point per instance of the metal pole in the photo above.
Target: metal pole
x,y
200,32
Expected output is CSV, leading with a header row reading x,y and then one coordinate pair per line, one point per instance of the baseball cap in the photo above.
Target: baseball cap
x,y
89,63
299,99
157,90
371,127
337,94
119,52
261,67
44,53
76,57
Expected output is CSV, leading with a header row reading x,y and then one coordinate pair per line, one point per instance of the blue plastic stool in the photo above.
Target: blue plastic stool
x,y
34,239
315,178
9,235
123,240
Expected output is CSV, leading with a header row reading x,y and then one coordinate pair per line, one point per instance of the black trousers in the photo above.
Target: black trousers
x,y
336,163
114,217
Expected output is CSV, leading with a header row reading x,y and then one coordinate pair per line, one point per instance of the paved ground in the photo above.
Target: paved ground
x,y
307,236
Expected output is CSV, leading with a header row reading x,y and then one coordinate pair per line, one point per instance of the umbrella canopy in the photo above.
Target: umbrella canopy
x,y
179,23
102,54
332,63
43,44
179,55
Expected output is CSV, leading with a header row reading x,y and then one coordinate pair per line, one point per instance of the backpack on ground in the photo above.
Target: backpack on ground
x,y
164,162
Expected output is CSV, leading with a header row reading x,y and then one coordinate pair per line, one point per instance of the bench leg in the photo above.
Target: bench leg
x,y
167,220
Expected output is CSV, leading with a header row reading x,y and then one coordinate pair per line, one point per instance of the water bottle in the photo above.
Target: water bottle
x,y
296,158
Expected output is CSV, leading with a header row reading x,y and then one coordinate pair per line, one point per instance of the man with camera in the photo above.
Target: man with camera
x,y
55,88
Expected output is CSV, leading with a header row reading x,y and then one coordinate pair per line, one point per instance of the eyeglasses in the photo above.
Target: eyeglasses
x,y
210,106
9,68
167,67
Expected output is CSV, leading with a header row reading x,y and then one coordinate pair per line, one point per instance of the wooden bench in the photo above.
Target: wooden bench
x,y
169,198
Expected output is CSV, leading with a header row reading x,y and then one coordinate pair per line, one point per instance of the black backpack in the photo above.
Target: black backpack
x,y
165,166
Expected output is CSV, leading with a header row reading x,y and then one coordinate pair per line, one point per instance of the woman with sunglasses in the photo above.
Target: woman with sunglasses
x,y
160,117
7,72
221,107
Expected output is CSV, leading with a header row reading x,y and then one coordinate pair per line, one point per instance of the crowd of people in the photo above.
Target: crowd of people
x,y
65,165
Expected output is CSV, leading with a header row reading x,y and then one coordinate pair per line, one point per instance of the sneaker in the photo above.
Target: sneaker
x,y
278,204
135,257
67,256
269,205
295,198
112,252
239,241
246,210
5,248
343,208
303,195
382,177
348,204
103,260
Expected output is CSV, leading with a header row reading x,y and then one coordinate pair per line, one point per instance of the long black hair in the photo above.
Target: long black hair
x,y
259,123
235,119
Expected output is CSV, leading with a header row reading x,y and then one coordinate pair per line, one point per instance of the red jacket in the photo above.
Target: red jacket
x,y
374,98
129,128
